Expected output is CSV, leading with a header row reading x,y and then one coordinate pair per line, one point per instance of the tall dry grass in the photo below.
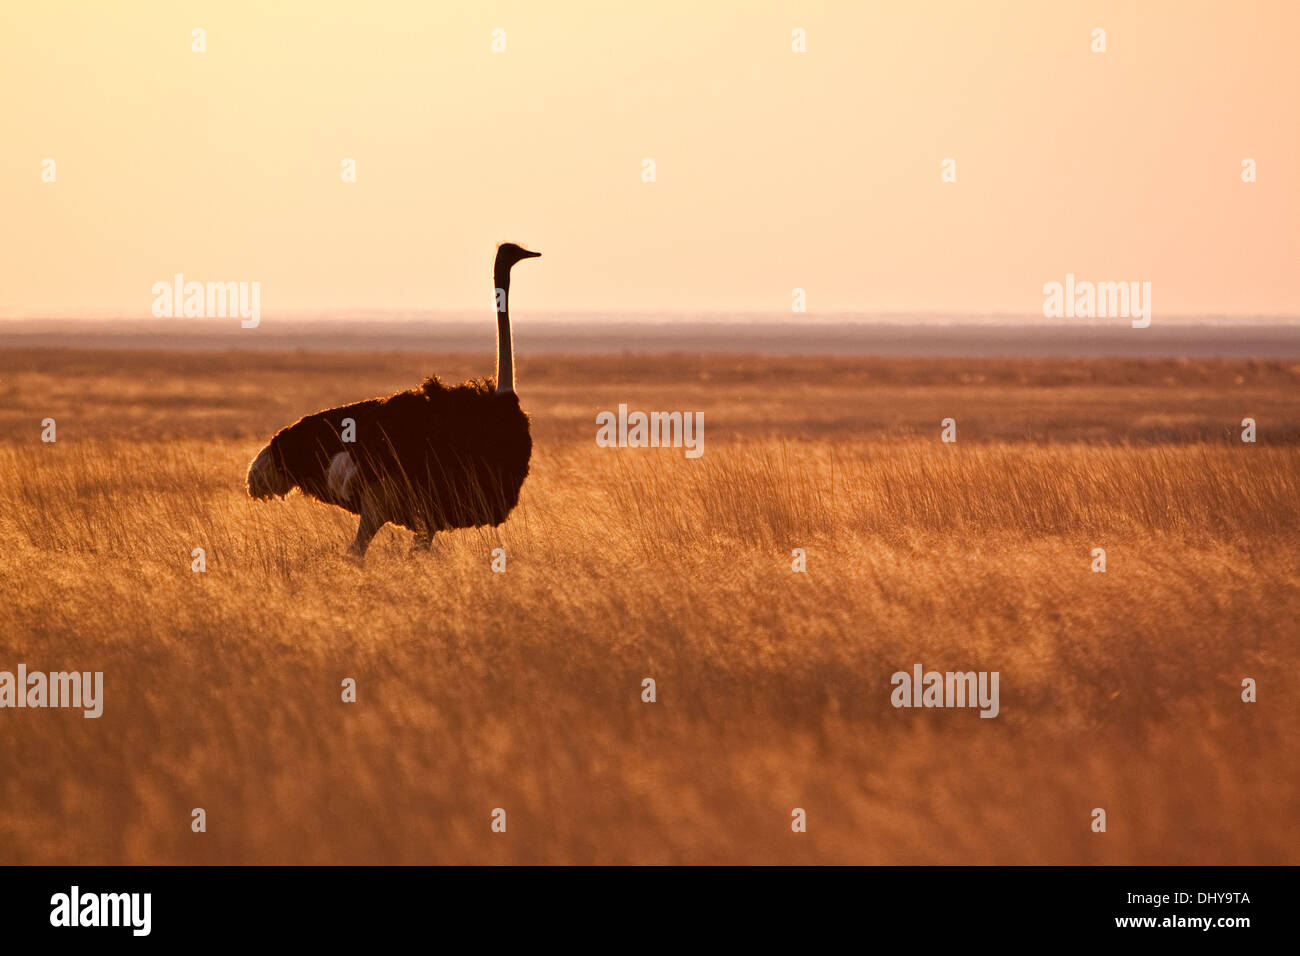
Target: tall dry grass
x,y
522,690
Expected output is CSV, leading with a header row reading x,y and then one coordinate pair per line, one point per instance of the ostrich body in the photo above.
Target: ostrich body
x,y
430,459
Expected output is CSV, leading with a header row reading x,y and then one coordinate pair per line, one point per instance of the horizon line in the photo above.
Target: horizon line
x,y
729,315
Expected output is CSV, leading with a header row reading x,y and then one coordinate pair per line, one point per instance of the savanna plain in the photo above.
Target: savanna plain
x,y
522,690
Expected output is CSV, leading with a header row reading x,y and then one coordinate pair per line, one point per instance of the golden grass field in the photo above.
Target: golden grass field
x,y
522,690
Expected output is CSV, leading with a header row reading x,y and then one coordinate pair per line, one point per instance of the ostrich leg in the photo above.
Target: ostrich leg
x,y
367,528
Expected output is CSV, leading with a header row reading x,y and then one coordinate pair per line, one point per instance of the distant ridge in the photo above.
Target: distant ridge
x,y
894,335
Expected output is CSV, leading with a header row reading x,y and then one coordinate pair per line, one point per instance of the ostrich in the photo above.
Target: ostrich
x,y
430,459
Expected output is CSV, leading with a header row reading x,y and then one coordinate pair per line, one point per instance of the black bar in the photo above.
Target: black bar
x,y
957,904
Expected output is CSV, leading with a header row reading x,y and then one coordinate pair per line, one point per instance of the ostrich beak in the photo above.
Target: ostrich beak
x,y
530,255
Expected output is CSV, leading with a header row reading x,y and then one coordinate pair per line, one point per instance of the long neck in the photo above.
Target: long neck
x,y
505,344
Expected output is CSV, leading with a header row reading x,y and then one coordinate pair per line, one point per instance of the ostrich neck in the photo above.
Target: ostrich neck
x,y
505,344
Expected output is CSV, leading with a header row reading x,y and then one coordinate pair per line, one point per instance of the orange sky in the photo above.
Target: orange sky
x,y
775,170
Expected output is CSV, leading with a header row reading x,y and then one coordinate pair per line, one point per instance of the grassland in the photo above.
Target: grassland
x,y
522,690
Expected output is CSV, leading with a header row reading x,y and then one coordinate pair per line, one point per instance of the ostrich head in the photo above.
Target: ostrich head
x,y
508,254
267,477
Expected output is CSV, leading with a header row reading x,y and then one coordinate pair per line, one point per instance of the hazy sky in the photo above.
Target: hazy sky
x,y
775,169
